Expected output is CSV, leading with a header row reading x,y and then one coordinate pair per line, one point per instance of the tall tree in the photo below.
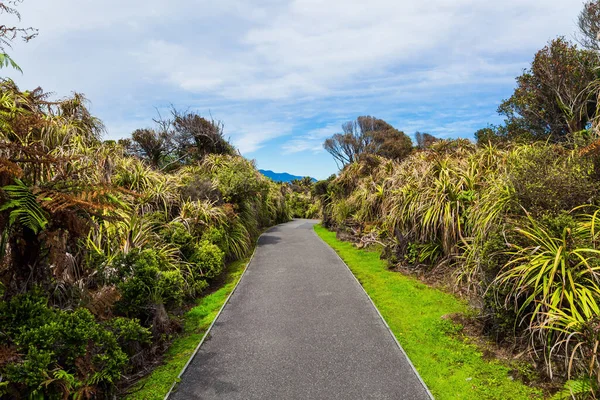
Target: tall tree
x,y
184,138
551,99
196,136
367,135
154,146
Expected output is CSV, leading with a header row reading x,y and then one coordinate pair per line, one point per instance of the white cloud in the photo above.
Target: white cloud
x,y
310,141
268,67
249,137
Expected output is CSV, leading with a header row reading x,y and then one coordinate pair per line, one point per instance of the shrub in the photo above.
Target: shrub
x,y
207,260
177,234
171,286
200,189
144,282
216,236
552,281
236,178
549,179
56,352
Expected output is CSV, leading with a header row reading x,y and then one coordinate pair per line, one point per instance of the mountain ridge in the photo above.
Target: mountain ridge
x,y
281,176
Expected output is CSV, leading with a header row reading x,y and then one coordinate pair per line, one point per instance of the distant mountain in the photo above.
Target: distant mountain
x,y
281,176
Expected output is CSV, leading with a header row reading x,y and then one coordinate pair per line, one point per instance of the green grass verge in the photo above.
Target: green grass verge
x,y
451,368
196,322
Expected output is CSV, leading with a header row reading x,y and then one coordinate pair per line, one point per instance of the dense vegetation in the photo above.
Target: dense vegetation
x,y
510,222
103,244
101,248
301,200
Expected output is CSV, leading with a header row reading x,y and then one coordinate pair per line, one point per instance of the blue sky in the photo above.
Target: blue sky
x,y
284,74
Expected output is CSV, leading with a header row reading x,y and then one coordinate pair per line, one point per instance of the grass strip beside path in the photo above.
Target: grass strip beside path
x,y
196,322
451,368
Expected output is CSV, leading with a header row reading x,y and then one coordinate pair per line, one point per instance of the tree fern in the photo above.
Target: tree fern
x,y
24,207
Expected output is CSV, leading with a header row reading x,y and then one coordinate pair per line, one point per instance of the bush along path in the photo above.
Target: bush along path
x,y
451,367
299,326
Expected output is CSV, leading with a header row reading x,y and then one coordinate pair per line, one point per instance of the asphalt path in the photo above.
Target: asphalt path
x,y
299,326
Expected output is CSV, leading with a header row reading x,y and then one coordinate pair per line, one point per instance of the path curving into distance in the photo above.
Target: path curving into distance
x,y
299,326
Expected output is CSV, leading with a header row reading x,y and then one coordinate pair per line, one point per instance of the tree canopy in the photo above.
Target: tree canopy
x,y
551,100
185,138
367,135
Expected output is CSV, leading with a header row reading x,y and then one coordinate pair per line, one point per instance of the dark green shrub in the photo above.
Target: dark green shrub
x,y
197,286
492,257
144,282
237,179
216,236
57,352
177,234
500,321
557,223
207,260
172,286
140,273
129,333
301,205
132,338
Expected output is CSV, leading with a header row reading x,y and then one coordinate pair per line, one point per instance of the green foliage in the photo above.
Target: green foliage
x,y
550,179
57,352
171,286
551,101
302,205
576,389
498,221
196,322
207,260
236,178
114,231
7,61
177,234
129,333
24,207
144,281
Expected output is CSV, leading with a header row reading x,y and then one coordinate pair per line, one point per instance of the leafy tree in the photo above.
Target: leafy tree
x,y
496,134
183,139
196,137
151,145
367,135
551,99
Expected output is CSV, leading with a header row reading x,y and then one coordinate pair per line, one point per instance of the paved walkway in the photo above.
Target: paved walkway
x,y
299,327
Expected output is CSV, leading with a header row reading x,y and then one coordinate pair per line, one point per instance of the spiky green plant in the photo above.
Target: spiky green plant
x,y
554,284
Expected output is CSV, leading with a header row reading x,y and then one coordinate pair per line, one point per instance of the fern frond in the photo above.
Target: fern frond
x,y
7,61
24,207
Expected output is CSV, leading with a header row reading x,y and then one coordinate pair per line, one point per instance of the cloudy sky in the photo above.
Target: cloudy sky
x,y
284,74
